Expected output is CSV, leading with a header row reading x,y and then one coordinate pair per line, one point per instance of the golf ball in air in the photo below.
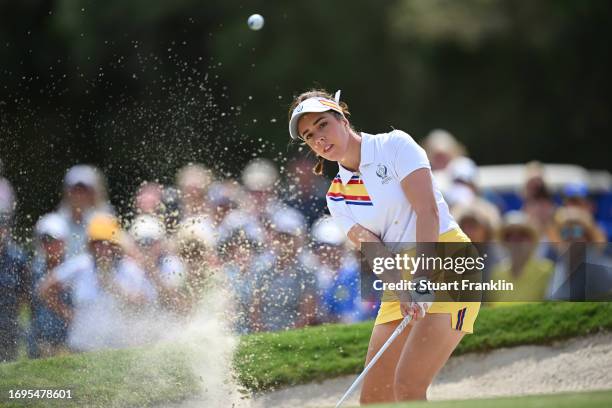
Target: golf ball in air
x,y
255,22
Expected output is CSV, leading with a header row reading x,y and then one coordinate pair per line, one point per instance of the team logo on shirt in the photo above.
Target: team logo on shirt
x,y
381,171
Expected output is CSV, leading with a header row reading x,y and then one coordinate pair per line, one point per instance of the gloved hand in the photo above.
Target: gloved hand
x,y
421,300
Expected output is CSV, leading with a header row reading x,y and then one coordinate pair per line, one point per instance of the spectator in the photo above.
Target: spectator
x,y
193,181
535,185
441,147
260,177
164,269
463,173
540,208
480,222
338,276
195,240
463,190
582,271
285,294
7,197
149,199
239,247
14,286
523,268
104,285
224,197
48,331
305,191
477,221
577,195
171,208
84,195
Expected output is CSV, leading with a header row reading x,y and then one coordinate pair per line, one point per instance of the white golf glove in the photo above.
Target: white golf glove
x,y
422,296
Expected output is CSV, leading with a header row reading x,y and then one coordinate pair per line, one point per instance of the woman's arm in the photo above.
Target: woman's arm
x,y
418,189
358,235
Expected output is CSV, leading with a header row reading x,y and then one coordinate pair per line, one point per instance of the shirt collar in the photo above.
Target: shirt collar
x,y
367,157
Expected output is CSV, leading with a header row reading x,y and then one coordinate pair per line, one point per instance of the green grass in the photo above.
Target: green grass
x,y
145,377
597,399
276,359
117,378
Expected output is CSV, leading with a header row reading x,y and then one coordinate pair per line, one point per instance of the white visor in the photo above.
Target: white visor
x,y
314,104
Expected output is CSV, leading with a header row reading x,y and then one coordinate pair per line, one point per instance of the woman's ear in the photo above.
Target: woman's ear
x,y
345,122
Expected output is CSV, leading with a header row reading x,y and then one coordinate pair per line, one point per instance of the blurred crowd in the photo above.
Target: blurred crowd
x,y
95,279
91,275
550,247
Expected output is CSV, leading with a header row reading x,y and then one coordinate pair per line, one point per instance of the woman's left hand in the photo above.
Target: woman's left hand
x,y
415,309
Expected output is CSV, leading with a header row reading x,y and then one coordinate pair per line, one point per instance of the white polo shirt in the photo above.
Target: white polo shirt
x,y
373,196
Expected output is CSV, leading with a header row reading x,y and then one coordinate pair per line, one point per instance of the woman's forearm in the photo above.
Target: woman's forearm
x,y
359,235
427,226
427,232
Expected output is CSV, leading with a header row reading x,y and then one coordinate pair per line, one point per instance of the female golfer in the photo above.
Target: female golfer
x,y
384,192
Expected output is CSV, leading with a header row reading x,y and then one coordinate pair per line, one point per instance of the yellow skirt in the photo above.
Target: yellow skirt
x,y
463,314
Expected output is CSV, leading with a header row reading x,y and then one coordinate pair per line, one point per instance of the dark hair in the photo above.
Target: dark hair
x,y
322,93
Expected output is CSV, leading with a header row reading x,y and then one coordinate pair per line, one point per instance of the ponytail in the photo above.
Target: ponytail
x,y
318,168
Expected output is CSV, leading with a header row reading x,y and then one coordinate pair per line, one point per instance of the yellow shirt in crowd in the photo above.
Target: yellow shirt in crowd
x,y
530,285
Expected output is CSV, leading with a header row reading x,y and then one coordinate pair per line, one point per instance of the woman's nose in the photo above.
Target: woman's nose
x,y
320,140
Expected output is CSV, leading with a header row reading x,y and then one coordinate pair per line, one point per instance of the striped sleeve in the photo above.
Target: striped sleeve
x,y
338,207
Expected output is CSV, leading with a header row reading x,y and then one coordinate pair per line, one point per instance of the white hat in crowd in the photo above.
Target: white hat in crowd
x,y
53,225
147,228
260,175
82,174
288,220
241,220
194,175
463,169
440,140
326,231
198,229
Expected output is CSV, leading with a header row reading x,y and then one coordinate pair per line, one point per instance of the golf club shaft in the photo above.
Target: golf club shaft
x,y
398,330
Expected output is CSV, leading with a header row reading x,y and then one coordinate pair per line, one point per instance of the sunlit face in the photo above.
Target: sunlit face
x,y
474,229
439,159
53,248
81,197
517,235
149,199
326,134
519,241
193,194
